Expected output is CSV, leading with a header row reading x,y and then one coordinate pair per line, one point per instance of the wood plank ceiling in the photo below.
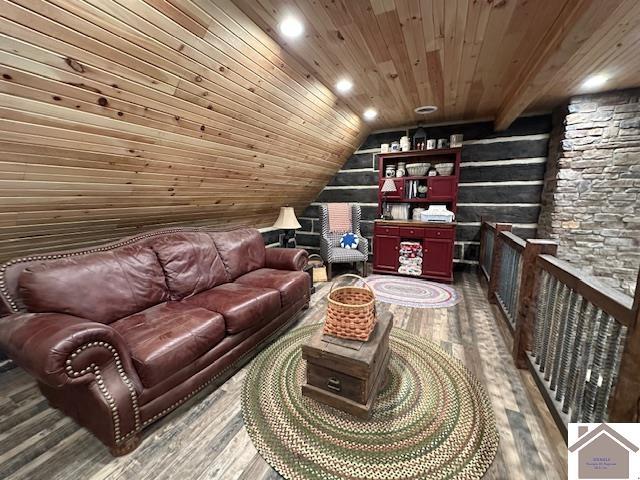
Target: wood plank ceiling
x,y
471,58
120,116
123,115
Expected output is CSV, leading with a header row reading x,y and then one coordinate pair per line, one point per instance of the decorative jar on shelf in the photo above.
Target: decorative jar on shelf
x,y
390,171
401,171
456,140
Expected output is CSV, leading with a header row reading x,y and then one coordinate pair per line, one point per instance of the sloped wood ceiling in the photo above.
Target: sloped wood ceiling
x,y
471,58
121,116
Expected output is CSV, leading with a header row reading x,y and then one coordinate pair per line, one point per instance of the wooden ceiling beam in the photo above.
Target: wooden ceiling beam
x,y
575,24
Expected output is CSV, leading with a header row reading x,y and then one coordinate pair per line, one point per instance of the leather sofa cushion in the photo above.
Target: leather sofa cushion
x,y
166,338
292,285
190,262
241,306
242,250
101,286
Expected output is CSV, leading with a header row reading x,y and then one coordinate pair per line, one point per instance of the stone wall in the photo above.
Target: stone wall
x,y
591,197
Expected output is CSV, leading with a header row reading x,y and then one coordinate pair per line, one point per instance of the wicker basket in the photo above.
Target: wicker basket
x,y
351,311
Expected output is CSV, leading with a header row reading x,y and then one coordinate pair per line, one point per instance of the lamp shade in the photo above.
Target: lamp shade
x,y
388,186
287,219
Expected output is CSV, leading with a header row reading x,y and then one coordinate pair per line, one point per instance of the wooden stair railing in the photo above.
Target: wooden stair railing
x,y
579,338
624,406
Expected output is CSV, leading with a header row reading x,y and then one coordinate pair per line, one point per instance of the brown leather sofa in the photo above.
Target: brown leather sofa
x,y
119,335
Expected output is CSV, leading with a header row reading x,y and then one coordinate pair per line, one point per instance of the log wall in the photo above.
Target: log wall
x,y
501,179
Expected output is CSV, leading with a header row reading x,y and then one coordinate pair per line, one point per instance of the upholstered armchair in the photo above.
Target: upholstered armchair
x,y
330,249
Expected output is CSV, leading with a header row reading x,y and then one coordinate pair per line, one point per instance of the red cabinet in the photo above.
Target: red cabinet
x,y
385,252
437,258
437,239
441,188
437,243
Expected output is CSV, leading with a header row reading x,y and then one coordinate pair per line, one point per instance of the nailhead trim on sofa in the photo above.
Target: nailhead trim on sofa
x,y
233,366
103,389
138,426
12,302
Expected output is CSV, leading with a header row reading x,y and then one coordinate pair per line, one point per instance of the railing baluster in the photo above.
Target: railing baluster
x,y
611,349
576,352
543,301
516,287
553,334
617,359
568,341
562,325
553,298
511,285
584,363
594,362
497,260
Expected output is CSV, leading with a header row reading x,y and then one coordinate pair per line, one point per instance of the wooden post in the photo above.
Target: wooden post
x,y
528,297
624,404
495,261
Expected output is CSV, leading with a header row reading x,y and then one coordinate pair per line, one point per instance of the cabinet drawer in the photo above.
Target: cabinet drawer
x,y
439,232
412,232
385,230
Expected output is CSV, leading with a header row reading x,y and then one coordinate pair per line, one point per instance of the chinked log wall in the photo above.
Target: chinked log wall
x,y
501,179
117,117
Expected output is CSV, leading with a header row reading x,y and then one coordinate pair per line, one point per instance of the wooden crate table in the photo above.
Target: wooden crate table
x,y
347,374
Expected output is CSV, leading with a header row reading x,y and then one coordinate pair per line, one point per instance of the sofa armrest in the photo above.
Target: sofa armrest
x,y
44,345
85,365
286,258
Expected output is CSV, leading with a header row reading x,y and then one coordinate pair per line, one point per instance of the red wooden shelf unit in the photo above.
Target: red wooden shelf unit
x,y
437,239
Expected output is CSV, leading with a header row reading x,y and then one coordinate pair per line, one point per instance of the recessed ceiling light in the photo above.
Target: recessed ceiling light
x,y
425,109
291,27
344,85
595,81
370,114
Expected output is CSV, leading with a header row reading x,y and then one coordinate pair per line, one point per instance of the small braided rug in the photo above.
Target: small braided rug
x,y
433,419
412,292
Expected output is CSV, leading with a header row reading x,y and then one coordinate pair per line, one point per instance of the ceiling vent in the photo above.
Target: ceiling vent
x,y
426,109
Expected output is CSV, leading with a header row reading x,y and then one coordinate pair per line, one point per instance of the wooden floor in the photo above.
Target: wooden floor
x,y
206,439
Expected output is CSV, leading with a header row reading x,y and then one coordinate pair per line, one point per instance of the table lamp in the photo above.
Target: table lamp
x,y
387,187
288,222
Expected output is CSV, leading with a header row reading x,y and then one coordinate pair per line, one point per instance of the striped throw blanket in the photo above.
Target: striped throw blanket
x,y
339,217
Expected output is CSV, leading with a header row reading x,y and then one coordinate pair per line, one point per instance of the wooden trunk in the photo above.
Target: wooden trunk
x,y
347,374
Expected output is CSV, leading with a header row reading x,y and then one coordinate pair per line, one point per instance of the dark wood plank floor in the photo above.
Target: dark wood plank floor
x,y
206,439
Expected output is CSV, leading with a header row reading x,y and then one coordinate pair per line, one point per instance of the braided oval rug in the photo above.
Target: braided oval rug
x,y
432,420
412,292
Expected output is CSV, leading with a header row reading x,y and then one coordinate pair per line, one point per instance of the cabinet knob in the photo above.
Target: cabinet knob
x,y
412,231
438,233
396,248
